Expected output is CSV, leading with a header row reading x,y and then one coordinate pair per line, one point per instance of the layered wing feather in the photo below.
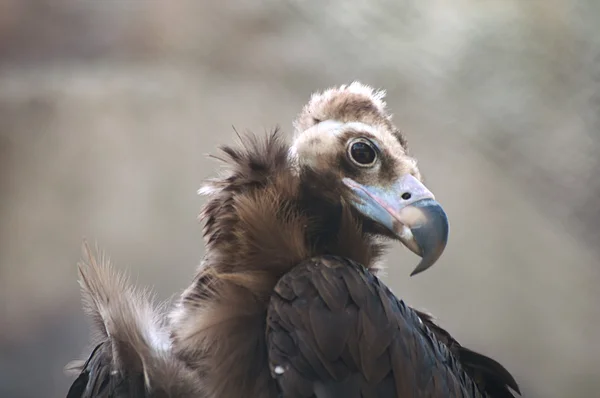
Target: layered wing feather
x,y
333,330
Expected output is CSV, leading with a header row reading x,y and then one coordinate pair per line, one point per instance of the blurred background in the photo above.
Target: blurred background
x,y
108,109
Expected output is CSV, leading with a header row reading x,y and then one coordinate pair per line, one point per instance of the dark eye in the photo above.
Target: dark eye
x,y
362,153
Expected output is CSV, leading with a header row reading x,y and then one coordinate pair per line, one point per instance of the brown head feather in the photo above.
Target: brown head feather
x,y
354,102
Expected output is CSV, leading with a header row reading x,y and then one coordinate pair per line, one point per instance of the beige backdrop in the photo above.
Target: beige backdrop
x,y
107,109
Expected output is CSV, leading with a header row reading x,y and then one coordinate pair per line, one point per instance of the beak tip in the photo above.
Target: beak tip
x,y
423,266
431,237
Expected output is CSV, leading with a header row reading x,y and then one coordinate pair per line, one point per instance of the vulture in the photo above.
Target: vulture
x,y
287,301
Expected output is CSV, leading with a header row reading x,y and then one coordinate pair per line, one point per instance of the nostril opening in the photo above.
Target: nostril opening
x,y
406,195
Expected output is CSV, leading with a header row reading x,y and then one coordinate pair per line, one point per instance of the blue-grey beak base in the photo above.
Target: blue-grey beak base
x,y
420,223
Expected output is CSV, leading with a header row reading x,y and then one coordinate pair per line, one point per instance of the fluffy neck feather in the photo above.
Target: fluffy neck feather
x,y
262,219
265,215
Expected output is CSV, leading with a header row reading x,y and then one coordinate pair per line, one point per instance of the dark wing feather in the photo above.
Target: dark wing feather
x,y
98,379
96,369
333,329
490,376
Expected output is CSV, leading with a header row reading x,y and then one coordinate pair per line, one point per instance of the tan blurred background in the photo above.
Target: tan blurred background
x,y
107,109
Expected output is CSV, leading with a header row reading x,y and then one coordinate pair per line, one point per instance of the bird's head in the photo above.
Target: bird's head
x,y
347,134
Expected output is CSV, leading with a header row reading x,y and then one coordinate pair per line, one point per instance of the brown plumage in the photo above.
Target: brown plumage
x,y
283,229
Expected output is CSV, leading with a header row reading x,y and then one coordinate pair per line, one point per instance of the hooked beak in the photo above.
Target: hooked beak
x,y
409,210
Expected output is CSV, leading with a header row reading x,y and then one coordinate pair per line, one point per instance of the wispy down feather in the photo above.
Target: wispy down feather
x,y
132,355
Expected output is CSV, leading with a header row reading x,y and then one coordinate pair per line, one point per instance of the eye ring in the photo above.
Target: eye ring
x,y
362,152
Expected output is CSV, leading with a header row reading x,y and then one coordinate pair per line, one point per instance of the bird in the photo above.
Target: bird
x,y
287,300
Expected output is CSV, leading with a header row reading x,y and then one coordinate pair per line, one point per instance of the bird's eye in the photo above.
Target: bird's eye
x,y
362,152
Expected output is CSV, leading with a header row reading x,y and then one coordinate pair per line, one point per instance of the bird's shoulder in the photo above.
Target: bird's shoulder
x,y
333,325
